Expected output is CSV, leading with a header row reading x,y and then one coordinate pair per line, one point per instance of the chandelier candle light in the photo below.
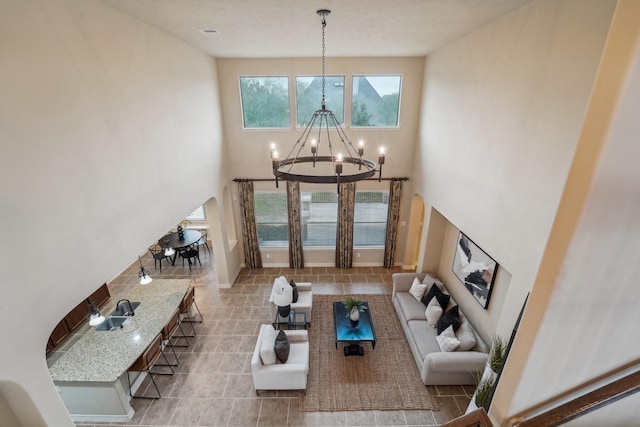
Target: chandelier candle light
x,y
323,123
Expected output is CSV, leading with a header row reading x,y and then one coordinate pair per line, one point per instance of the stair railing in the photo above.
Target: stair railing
x,y
592,395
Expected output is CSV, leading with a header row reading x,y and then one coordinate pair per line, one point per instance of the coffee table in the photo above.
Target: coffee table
x,y
351,334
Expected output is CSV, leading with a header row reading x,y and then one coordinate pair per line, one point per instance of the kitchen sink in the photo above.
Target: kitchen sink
x,y
122,309
112,323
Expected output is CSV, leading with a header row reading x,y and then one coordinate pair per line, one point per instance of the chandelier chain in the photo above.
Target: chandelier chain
x,y
324,24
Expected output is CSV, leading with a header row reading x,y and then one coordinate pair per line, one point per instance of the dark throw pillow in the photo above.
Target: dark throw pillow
x,y
443,299
449,318
282,347
295,291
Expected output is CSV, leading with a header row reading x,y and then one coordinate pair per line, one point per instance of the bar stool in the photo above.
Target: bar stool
x,y
146,361
185,308
169,334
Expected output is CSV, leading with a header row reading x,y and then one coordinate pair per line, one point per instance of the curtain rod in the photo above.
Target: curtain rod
x,y
402,178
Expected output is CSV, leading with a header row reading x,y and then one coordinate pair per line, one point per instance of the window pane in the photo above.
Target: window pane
x,y
375,101
265,102
370,218
319,218
198,214
271,218
309,97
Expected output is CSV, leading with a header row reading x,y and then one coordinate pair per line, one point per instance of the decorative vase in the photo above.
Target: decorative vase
x,y
180,233
354,315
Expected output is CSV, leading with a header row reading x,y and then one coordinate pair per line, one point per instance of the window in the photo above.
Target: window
x,y
375,101
272,219
319,218
265,102
197,215
309,97
370,218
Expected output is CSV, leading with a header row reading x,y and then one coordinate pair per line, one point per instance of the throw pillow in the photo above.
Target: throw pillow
x,y
295,291
436,292
465,336
447,340
267,351
433,312
450,318
282,347
417,289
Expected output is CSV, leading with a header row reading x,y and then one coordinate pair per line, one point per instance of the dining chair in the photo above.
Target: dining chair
x,y
203,241
145,363
190,252
158,256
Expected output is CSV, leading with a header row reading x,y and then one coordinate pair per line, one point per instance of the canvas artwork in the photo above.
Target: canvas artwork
x,y
475,269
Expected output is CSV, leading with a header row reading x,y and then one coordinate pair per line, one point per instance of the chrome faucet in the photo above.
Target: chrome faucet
x,y
129,312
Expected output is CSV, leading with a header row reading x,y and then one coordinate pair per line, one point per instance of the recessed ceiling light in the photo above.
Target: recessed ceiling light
x,y
209,31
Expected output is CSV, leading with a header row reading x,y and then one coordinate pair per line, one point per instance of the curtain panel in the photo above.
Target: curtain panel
x,y
252,258
296,258
393,216
344,229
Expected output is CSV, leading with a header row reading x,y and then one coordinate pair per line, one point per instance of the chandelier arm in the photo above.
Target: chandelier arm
x,y
300,143
351,150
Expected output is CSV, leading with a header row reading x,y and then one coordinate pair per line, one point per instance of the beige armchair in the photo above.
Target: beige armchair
x,y
303,305
271,375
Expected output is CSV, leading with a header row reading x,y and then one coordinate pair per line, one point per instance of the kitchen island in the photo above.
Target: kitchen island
x,y
91,375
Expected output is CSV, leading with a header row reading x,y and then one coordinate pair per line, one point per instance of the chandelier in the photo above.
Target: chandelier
x,y
331,157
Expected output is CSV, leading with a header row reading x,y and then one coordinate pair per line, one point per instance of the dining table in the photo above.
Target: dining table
x,y
173,240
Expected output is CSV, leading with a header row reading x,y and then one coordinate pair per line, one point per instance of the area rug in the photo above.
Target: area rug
x,y
385,378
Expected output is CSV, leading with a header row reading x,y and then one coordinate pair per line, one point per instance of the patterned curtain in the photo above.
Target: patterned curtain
x,y
344,232
252,258
296,258
393,216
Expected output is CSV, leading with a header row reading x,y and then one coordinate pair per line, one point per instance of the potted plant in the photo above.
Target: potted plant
x,y
354,307
487,380
485,390
497,354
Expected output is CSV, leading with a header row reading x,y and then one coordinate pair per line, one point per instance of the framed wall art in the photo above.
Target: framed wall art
x,y
475,269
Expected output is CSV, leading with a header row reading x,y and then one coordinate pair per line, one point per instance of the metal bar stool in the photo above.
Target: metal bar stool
x,y
169,335
146,361
185,308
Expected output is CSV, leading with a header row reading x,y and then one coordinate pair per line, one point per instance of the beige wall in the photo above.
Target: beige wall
x,y
502,113
110,134
249,149
585,293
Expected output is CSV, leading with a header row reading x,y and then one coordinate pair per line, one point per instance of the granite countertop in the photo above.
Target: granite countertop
x,y
103,356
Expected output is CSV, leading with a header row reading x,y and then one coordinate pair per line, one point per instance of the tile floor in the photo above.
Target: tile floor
x,y
213,384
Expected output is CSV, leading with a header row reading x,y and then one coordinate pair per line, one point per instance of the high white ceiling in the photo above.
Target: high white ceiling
x,y
291,28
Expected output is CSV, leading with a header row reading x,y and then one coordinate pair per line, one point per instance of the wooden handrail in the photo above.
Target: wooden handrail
x,y
591,401
477,418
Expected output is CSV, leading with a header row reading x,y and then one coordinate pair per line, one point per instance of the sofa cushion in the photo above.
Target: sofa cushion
x,y
282,347
450,318
411,309
295,291
267,341
433,313
447,340
436,292
429,280
417,289
465,335
424,337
